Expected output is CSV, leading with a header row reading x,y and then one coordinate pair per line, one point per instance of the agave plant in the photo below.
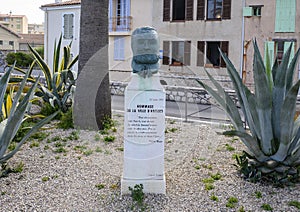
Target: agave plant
x,y
60,82
273,138
15,115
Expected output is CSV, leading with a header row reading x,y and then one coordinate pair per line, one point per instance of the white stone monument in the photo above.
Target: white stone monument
x,y
144,124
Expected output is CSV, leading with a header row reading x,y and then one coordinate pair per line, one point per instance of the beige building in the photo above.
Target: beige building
x,y
191,33
34,40
275,25
36,28
9,40
17,23
124,17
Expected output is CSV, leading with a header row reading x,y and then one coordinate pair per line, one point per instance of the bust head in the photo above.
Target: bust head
x,y
145,48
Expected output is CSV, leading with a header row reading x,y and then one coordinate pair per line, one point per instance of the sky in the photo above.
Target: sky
x,y
30,8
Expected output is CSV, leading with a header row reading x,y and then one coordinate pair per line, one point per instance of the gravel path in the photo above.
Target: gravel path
x,y
76,170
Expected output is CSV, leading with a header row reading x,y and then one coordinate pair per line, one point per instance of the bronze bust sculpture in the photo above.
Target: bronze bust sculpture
x,y
145,48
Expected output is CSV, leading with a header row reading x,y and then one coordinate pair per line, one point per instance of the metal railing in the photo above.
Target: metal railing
x,y
120,24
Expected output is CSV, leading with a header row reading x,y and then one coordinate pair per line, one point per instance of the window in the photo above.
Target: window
x,y
11,43
119,48
281,46
68,26
277,48
212,54
119,15
200,53
180,54
256,10
279,51
178,10
1,42
215,9
182,10
166,53
285,16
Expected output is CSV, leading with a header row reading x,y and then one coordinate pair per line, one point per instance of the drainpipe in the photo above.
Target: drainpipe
x,y
46,31
246,44
242,41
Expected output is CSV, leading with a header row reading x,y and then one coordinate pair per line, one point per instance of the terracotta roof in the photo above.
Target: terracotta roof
x,y
63,3
10,31
32,38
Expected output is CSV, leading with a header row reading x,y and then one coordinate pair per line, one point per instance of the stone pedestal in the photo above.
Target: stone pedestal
x,y
144,130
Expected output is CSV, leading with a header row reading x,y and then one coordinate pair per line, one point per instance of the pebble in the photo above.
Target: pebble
x,y
74,176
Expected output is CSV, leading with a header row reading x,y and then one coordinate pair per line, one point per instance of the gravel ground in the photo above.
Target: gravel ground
x,y
75,170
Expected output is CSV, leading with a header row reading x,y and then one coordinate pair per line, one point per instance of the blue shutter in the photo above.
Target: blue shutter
x,y
127,8
110,11
119,48
269,47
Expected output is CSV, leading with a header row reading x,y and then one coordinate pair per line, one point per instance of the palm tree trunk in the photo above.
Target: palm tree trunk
x,y
92,102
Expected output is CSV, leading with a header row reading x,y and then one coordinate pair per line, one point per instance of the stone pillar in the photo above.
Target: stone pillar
x,y
144,132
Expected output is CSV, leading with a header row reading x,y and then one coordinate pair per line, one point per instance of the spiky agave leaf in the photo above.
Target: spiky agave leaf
x,y
245,98
230,108
263,101
251,143
272,107
287,122
43,65
33,130
225,102
56,54
10,126
279,92
291,70
3,84
15,118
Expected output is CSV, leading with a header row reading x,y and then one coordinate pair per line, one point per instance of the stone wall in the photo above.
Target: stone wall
x,y
176,93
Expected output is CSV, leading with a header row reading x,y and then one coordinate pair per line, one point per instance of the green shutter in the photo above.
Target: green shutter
x,y
269,45
285,15
286,46
247,11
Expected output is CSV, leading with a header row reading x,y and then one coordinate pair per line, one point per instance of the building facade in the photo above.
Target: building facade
x,y
124,17
192,31
275,25
61,19
191,34
36,28
9,40
17,23
34,40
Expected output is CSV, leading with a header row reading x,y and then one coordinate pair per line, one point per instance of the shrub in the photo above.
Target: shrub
x,y
66,120
22,59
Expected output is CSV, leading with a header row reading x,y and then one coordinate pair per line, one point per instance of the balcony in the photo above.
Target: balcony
x,y
120,24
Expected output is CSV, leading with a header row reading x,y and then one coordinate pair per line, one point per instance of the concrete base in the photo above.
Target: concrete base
x,y
149,186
